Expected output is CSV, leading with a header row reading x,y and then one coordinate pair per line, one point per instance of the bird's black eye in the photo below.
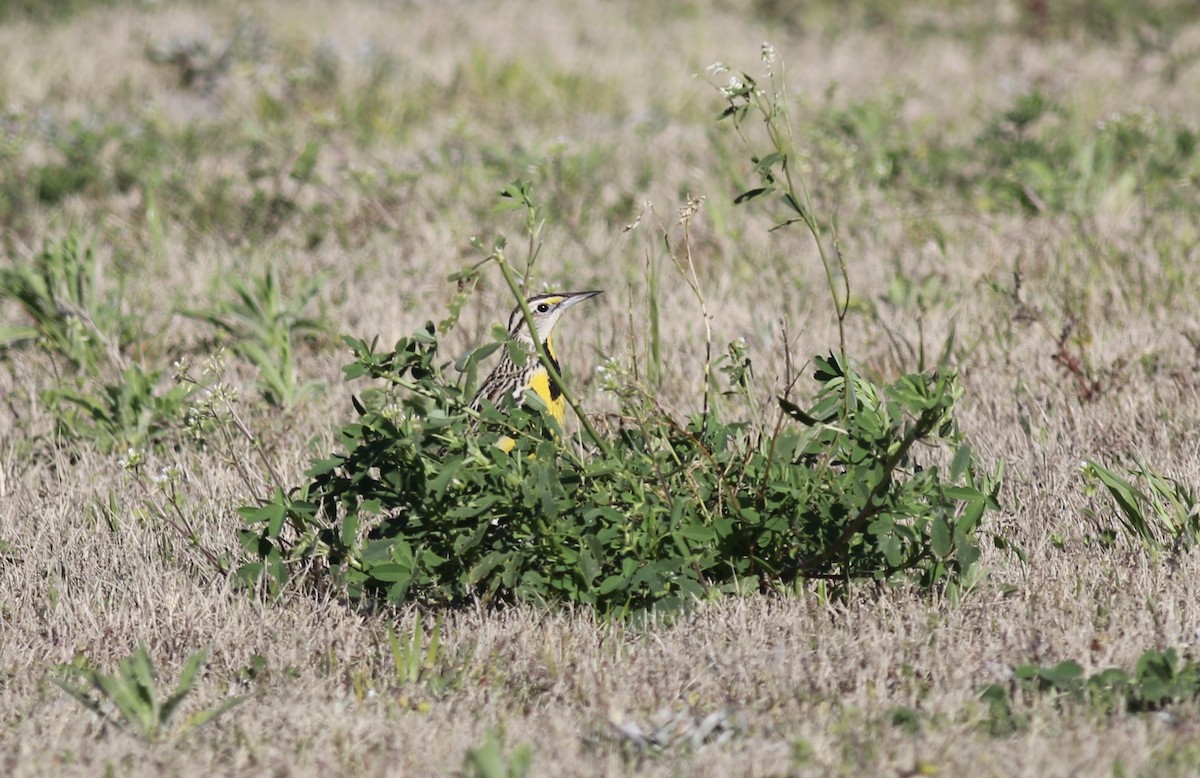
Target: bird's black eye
x,y
542,307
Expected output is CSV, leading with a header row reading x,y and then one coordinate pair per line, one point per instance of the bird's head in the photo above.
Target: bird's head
x,y
546,309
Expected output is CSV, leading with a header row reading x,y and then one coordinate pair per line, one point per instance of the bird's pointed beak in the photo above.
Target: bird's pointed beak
x,y
577,297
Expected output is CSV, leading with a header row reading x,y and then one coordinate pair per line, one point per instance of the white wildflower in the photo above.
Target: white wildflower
x,y
395,413
132,460
215,365
168,474
734,88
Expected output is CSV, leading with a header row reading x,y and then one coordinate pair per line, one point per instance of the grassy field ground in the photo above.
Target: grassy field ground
x,y
1024,174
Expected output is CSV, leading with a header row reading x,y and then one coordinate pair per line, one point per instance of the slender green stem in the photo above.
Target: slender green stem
x,y
797,190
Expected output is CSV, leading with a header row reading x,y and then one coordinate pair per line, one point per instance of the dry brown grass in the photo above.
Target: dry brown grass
x,y
86,568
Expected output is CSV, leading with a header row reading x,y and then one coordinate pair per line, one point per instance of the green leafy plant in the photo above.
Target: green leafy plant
x,y
420,506
131,700
1038,156
487,760
106,398
265,329
1001,720
1159,679
129,412
77,168
1158,512
58,289
422,661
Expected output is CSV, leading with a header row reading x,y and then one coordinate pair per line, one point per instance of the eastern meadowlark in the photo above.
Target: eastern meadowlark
x,y
509,378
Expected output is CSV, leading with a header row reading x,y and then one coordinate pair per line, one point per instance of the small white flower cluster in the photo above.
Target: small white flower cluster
x,y
213,366
133,459
224,393
735,85
612,377
1140,119
169,474
734,88
183,369
211,397
207,408
394,412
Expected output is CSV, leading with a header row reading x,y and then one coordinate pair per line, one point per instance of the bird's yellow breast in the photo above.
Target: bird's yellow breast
x,y
539,382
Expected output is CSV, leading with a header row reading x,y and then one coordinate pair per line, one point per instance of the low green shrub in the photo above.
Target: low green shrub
x,y
418,505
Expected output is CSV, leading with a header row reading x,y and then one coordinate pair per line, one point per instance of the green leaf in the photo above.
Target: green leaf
x,y
700,534
467,542
961,462
751,194
589,568
349,534
13,335
793,410
963,493
306,163
768,161
485,566
390,572
1063,674
940,538
612,583
184,687
200,718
